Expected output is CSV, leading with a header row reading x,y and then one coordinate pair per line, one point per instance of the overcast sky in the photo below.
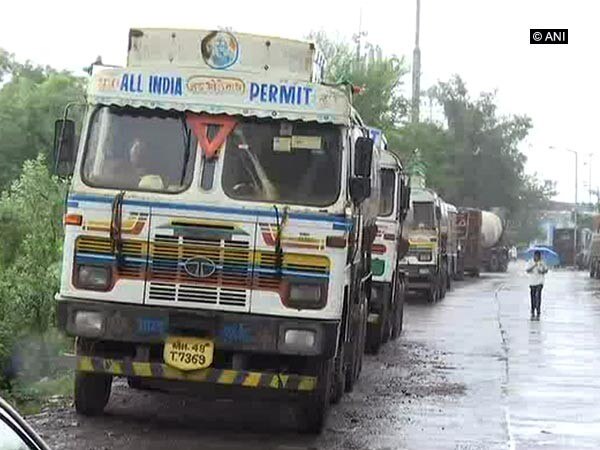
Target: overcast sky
x,y
485,41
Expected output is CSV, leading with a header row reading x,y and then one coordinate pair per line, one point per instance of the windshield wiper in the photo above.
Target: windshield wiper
x,y
278,250
187,140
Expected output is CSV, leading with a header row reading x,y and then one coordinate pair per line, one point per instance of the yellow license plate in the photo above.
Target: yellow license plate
x,y
188,353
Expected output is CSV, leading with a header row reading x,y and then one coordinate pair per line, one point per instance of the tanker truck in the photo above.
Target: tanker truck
x,y
480,237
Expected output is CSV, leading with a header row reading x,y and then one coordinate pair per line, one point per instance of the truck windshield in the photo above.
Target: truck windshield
x,y
422,215
138,149
388,191
282,161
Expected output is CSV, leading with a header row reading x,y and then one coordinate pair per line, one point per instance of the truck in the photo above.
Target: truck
x,y
453,251
563,243
219,223
426,263
480,236
386,306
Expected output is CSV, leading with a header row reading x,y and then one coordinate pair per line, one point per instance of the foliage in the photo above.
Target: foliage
x,y
31,99
381,103
474,160
29,271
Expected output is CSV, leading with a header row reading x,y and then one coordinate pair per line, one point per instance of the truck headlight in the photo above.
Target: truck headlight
x,y
97,278
425,256
88,323
306,295
299,339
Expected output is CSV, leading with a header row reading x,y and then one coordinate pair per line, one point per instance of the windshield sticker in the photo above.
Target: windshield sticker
x,y
220,49
282,94
306,142
204,85
199,124
286,129
282,144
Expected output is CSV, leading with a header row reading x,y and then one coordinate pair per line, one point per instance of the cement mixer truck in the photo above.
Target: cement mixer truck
x,y
480,236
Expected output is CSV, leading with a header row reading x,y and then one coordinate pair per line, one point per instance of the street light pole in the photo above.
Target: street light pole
x,y
590,176
576,185
416,70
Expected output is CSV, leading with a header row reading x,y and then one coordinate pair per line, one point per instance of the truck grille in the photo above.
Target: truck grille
x,y
134,260
170,280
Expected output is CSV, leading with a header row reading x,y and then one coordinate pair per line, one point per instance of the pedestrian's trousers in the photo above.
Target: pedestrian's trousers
x,y
536,298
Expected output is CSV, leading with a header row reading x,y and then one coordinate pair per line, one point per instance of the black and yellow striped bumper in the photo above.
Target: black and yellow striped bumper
x,y
242,378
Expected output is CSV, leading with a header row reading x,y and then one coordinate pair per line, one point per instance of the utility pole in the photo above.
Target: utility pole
x,y
576,186
357,38
590,176
416,69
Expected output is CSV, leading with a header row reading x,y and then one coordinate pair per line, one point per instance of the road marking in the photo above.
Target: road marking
x,y
511,440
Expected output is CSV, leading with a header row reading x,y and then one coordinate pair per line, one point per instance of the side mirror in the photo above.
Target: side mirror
x,y
64,147
360,189
363,154
403,247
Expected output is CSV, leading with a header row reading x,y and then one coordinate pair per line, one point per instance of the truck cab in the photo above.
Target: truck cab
x,y
386,306
219,222
425,263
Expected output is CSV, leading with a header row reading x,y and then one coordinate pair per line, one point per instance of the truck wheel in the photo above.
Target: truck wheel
x,y
338,386
432,294
442,287
313,410
398,322
92,391
358,346
399,316
135,383
377,332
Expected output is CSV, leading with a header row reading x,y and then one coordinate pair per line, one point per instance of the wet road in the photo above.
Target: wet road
x,y
471,372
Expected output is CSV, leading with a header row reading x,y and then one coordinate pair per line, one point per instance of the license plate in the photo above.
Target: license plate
x,y
188,353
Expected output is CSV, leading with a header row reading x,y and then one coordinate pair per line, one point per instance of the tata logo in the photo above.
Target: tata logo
x,y
199,267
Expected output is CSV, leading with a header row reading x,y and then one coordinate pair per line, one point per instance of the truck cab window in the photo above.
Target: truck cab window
x,y
388,187
262,163
135,149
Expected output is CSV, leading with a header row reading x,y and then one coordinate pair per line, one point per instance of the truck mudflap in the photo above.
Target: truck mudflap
x,y
260,380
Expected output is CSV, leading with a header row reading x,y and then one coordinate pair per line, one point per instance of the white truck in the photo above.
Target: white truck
x,y
386,306
219,223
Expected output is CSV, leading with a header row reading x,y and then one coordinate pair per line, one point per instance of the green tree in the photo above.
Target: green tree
x,y
29,273
31,99
380,78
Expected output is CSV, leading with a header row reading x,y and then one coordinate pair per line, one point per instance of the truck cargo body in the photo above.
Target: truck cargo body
x,y
563,242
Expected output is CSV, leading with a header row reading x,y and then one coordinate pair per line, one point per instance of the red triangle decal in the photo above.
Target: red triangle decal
x,y
199,124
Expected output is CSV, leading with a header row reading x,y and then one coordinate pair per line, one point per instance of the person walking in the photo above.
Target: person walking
x,y
537,271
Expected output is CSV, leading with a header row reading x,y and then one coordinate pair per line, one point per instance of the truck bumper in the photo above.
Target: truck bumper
x,y
419,277
227,377
231,332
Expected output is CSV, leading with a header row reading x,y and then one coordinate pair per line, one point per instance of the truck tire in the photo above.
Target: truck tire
x,y
398,323
442,287
338,386
399,310
313,410
378,333
92,391
432,294
494,265
354,367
